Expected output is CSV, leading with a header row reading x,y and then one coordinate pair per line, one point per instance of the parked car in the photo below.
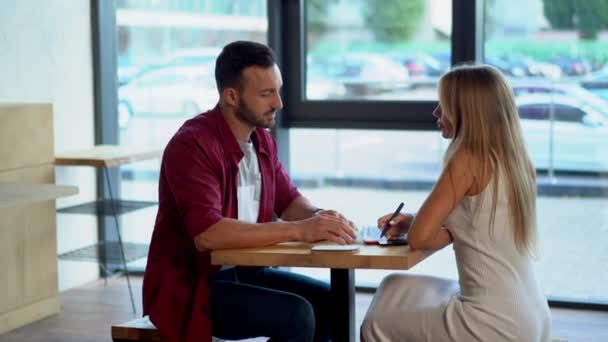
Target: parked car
x,y
419,64
182,57
168,91
597,83
572,66
192,56
364,73
506,67
445,61
564,132
532,67
320,86
526,87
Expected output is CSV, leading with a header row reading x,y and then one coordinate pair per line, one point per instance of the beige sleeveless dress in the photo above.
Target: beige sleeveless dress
x,y
497,297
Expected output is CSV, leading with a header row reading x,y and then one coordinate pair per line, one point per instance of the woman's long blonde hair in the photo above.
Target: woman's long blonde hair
x,y
479,104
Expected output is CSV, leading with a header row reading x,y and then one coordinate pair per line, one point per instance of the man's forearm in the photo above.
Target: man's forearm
x,y
299,209
231,233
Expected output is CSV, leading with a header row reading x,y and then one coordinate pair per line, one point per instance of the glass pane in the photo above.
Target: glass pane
x,y
376,50
555,56
365,174
166,59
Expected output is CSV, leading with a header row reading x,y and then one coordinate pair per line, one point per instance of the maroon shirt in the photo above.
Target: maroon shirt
x,y
197,188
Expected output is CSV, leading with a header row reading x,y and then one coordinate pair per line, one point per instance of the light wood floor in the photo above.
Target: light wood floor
x,y
88,312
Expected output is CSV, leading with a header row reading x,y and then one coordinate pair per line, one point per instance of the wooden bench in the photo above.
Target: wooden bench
x,y
140,329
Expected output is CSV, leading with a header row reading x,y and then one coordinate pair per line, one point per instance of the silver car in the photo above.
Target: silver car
x,y
564,133
172,91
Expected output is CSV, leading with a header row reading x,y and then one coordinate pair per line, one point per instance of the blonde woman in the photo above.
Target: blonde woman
x,y
483,203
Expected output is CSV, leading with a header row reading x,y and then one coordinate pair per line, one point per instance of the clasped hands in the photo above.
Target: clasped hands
x,y
328,225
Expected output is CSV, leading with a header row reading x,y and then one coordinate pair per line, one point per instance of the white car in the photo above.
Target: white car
x,y
168,91
364,73
564,133
527,87
193,56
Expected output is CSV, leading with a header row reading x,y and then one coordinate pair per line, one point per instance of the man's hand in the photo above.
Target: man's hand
x,y
327,225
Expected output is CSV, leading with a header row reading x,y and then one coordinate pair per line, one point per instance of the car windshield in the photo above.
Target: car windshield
x,y
590,99
572,90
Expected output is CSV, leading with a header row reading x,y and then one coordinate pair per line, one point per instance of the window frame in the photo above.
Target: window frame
x,y
466,46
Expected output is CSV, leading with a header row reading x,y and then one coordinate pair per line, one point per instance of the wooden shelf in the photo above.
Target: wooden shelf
x,y
108,253
106,207
106,156
14,194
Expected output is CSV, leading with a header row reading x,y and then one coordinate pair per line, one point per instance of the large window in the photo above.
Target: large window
x,y
166,58
364,174
360,79
367,64
376,50
553,54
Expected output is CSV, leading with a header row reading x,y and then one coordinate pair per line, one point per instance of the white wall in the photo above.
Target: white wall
x,y
45,56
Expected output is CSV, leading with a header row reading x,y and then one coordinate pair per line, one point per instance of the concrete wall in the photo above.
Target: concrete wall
x,y
45,56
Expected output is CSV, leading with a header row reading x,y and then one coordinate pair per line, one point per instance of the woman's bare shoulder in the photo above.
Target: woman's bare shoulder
x,y
464,164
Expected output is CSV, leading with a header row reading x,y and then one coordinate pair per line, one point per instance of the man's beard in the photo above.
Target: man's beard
x,y
245,114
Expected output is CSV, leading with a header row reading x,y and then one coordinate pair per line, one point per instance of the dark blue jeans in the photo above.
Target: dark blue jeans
x,y
247,302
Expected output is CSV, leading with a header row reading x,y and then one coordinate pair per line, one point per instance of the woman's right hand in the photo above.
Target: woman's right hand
x,y
398,226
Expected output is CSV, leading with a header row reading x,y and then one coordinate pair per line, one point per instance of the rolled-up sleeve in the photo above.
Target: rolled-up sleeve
x,y
194,184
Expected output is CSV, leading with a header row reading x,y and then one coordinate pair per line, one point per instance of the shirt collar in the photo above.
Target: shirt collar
x,y
231,145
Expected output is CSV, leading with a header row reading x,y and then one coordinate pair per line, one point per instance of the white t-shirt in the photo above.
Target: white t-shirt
x,y
249,185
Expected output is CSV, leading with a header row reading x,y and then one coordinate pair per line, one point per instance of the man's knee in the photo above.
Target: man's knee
x,y
303,313
302,317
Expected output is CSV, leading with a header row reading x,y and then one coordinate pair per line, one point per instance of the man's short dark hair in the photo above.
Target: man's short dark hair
x,y
237,56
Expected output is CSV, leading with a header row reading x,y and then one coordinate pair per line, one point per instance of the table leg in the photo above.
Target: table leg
x,y
120,245
343,305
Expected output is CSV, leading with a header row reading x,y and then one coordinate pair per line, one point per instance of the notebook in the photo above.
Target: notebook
x,y
335,248
370,235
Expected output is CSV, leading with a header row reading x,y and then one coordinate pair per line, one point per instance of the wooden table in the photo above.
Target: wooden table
x,y
106,156
342,265
14,194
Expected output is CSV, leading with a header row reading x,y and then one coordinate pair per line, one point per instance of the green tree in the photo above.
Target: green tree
x,y
393,20
316,19
559,13
316,15
586,16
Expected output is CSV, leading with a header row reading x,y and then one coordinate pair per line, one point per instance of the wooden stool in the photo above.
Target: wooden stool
x,y
140,329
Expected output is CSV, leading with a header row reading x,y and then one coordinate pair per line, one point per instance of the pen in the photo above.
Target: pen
x,y
387,225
